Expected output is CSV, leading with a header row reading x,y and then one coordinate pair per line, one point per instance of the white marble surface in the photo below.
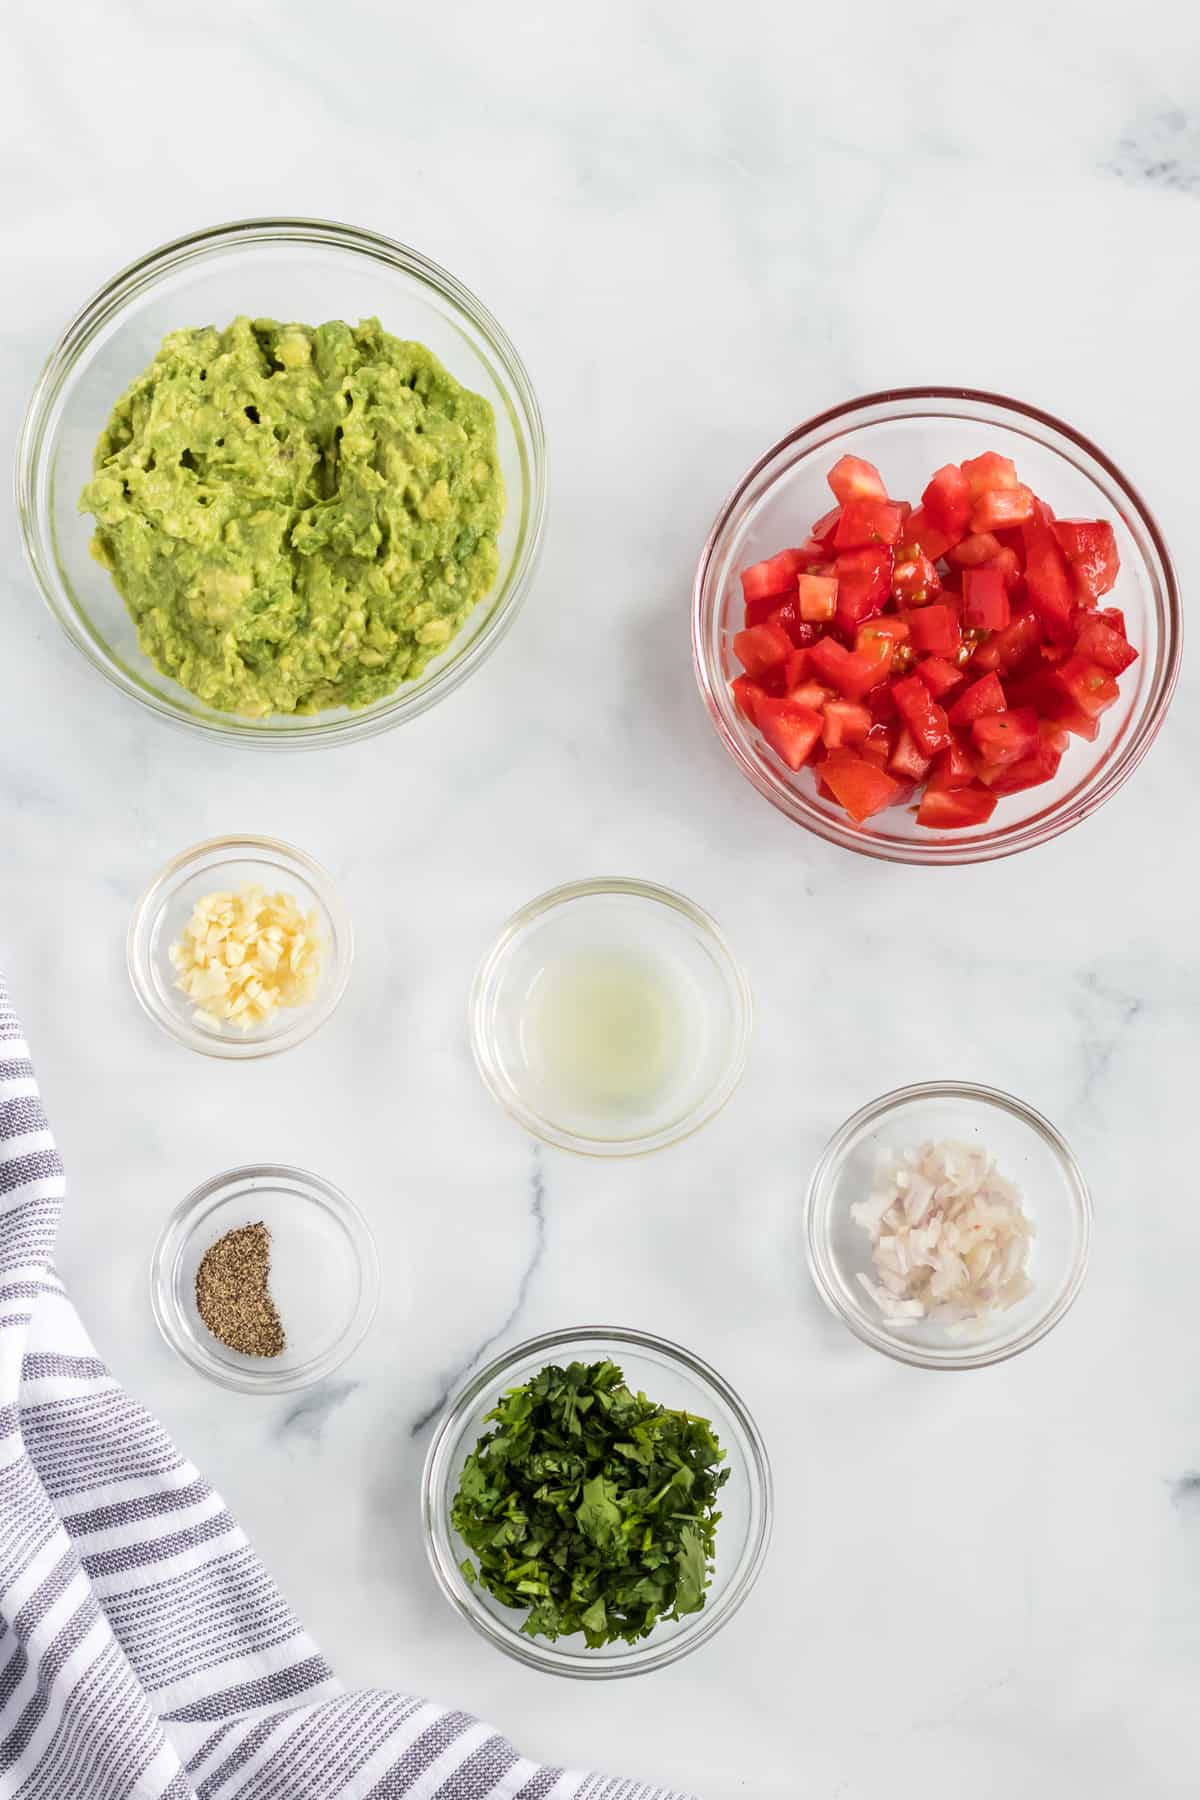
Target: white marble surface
x,y
699,224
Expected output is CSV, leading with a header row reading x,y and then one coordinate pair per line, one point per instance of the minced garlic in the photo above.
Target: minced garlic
x,y
244,955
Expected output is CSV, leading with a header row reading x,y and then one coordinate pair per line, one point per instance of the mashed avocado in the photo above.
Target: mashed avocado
x,y
297,518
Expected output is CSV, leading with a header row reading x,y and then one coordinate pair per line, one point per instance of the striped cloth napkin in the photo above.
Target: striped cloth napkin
x,y
143,1649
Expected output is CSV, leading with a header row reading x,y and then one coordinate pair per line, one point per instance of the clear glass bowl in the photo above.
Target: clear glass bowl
x,y
324,1275
1028,1150
908,433
216,866
303,269
637,926
666,1374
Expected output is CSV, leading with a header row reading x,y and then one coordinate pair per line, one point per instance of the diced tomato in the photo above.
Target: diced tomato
x,y
1061,710
946,501
1089,687
817,595
1012,645
953,767
791,730
938,675
871,635
987,472
920,530
908,762
982,698
747,692
865,522
934,630
825,527
879,743
857,784
1040,765
1090,547
1008,562
981,547
1047,578
852,478
985,599
761,646
846,724
852,672
801,631
1099,643
1006,737
999,508
777,575
881,704
795,669
923,716
914,578
759,610
954,809
774,681
878,663
864,581
811,694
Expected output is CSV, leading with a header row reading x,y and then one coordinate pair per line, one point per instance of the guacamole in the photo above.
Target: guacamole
x,y
296,517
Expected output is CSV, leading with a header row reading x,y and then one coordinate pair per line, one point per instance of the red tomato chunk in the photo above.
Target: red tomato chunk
x,y
940,658
853,479
791,730
865,522
818,597
861,788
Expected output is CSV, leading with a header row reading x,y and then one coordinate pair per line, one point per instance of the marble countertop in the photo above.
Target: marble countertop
x,y
699,225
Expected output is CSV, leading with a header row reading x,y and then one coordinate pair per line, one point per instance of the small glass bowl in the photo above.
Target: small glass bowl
x,y
1028,1150
668,1375
324,1275
305,269
218,865
908,433
617,918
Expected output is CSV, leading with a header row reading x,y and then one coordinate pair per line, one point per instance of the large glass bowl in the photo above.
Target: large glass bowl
x,y
301,269
908,433
667,1374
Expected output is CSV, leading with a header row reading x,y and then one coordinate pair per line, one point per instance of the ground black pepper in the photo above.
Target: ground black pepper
x,y
233,1294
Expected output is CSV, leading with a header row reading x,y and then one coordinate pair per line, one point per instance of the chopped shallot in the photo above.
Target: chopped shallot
x,y
949,1237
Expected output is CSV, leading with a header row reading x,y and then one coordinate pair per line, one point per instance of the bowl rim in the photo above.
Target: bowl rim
x,y
950,851
309,1018
175,1234
488,972
107,302
536,1653
956,1357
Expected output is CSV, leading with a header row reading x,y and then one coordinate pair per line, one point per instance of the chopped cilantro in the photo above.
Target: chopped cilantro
x,y
591,1508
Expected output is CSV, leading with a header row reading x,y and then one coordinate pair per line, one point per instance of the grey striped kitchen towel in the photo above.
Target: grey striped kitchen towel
x,y
143,1649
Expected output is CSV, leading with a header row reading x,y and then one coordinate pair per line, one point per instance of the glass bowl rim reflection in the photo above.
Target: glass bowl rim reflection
x,y
490,974
308,1018
818,1215
1106,774
207,245
190,1214
633,1659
